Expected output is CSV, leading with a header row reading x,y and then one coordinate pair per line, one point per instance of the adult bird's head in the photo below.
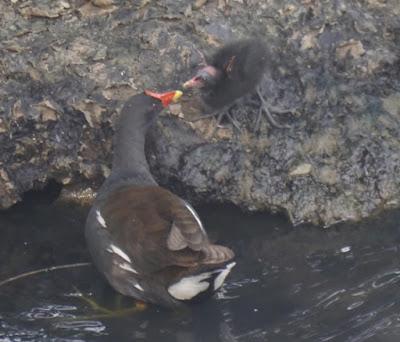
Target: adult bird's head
x,y
142,109
147,105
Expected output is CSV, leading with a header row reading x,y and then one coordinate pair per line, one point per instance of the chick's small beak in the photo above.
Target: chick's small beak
x,y
195,82
165,98
190,84
205,76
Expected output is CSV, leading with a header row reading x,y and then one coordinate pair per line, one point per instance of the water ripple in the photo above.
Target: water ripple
x,y
386,279
330,298
84,326
49,311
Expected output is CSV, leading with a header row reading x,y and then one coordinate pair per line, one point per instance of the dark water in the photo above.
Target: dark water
x,y
290,284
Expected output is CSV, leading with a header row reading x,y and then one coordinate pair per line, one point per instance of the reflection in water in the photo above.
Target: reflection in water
x,y
290,284
83,326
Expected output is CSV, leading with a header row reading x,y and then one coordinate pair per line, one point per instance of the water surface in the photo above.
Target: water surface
x,y
290,284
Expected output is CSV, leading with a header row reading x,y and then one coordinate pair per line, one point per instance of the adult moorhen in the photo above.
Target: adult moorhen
x,y
234,70
149,243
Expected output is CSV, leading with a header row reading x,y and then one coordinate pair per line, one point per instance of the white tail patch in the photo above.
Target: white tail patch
x,y
220,278
189,287
127,267
120,252
100,219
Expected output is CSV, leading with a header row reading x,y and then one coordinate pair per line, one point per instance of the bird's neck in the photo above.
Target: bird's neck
x,y
129,159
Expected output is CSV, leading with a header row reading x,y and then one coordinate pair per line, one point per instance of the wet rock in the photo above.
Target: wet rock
x,y
47,9
66,68
301,170
91,110
48,110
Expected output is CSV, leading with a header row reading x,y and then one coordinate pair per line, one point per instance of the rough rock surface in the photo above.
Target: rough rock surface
x,y
67,66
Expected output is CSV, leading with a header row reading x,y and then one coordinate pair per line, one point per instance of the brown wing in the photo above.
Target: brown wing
x,y
139,222
187,231
157,229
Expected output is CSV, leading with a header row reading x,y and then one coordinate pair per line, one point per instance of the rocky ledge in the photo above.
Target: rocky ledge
x,y
67,66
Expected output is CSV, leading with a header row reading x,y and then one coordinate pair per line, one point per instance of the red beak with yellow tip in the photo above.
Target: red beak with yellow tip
x,y
165,98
